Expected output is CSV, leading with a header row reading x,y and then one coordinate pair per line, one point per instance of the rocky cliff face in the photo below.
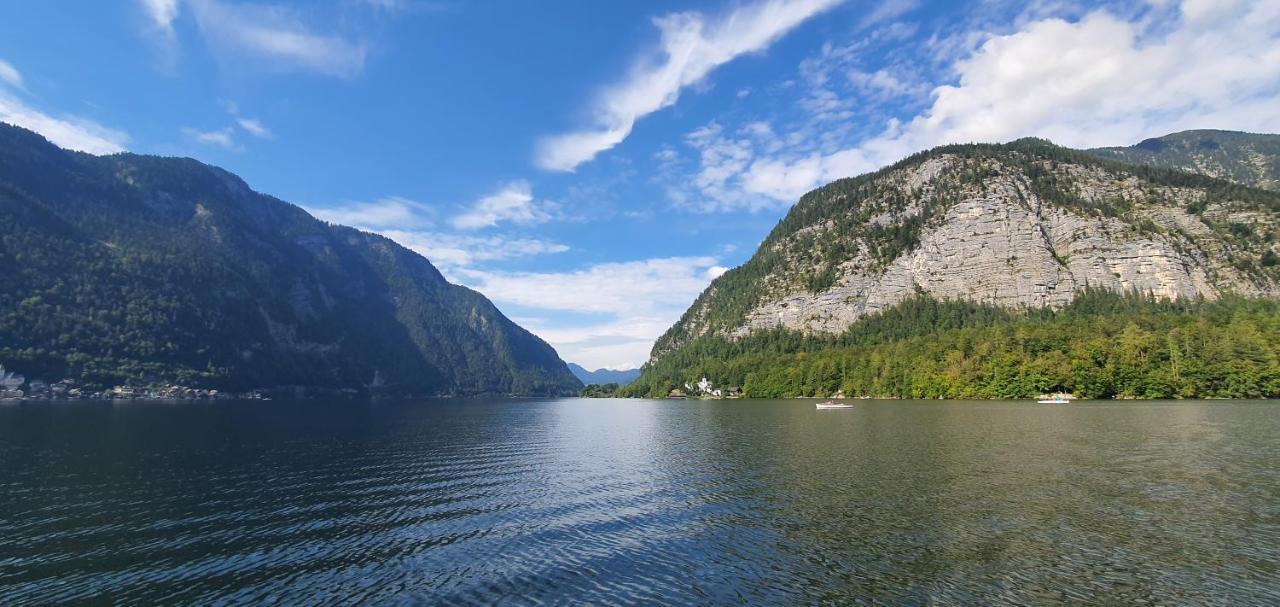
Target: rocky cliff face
x,y
1026,224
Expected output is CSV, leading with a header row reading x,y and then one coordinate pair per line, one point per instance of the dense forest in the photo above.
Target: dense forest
x,y
1103,345
130,269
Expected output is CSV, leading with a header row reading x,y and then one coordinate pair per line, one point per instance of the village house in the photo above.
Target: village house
x,y
10,381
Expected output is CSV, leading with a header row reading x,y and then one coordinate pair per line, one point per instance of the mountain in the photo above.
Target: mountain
x,y
604,376
1246,158
130,268
968,235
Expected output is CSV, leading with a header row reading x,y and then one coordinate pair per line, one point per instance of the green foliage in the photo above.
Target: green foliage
x,y
609,390
1103,345
141,269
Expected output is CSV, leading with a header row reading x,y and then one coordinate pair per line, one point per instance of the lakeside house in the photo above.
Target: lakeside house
x,y
10,381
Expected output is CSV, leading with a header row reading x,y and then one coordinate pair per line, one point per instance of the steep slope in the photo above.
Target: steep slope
x,y
604,376
1023,225
1246,158
138,268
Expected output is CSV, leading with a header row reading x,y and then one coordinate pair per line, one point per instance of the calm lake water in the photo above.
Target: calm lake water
x,y
623,502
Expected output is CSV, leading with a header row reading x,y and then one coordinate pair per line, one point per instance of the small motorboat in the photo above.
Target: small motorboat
x,y
833,405
1055,399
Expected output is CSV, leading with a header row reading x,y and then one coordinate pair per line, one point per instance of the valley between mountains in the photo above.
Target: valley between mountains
x,y
965,271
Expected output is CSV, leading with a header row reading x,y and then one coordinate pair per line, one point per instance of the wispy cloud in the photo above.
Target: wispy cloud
x,y
221,138
414,225
161,14
513,203
254,127
886,10
383,214
71,132
272,34
386,5
692,45
456,254
10,75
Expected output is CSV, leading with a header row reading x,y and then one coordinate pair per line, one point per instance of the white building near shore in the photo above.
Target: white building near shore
x,y
10,381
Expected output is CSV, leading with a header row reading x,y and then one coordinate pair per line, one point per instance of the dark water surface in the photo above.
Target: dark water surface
x,y
623,502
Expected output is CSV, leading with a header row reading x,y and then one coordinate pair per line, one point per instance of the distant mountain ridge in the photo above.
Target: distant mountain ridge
x,y
1246,158
130,268
604,376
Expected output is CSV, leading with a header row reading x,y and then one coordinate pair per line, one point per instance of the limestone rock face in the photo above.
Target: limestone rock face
x,y
993,250
1008,227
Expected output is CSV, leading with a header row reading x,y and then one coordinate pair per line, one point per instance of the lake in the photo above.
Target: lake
x,y
624,502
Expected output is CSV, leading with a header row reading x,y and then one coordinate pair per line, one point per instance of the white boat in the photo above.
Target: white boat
x,y
1055,399
833,405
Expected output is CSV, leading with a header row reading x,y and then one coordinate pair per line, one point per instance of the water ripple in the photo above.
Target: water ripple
x,y
619,503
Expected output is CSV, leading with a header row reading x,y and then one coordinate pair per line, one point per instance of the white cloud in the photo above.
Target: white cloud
x,y
1094,81
10,75
513,202
393,212
639,300
221,138
615,288
254,127
160,17
386,5
278,36
455,254
889,9
1103,80
71,132
161,13
412,225
614,344
691,47
884,83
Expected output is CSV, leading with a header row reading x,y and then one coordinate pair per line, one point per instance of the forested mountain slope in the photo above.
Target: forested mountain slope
x,y
138,268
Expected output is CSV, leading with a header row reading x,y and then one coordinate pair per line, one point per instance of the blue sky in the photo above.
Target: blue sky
x,y
591,166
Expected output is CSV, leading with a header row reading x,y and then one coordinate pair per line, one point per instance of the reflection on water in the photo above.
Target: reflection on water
x,y
621,502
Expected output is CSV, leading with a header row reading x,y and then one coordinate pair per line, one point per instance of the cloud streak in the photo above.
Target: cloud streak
x,y
277,35
71,132
691,47
414,226
161,14
255,128
10,75
393,212
220,138
272,36
512,203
